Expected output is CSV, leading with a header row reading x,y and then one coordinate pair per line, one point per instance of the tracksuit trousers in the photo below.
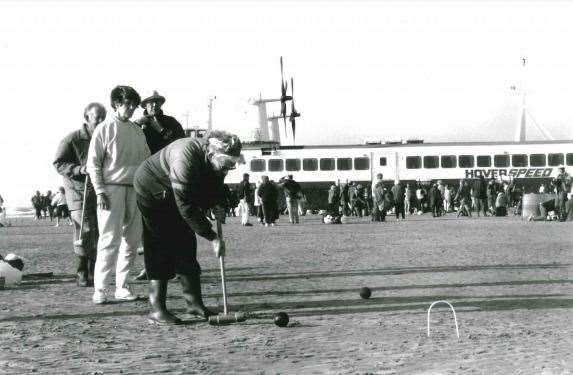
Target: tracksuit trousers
x,y
120,230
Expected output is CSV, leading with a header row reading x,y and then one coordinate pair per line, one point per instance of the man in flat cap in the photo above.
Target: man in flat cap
x,y
159,129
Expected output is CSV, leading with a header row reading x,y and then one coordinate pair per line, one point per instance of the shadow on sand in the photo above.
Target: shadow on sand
x,y
416,304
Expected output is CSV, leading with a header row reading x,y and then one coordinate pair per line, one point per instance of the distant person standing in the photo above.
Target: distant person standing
x,y
61,206
116,149
245,195
562,183
292,191
479,194
70,162
334,199
37,203
447,199
48,205
268,192
399,197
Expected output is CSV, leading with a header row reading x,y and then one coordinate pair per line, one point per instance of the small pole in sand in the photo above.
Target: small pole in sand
x,y
454,311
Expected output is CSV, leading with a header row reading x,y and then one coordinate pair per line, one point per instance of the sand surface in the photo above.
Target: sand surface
x,y
510,282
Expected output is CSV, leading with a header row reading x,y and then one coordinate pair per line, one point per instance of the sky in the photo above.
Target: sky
x,y
363,70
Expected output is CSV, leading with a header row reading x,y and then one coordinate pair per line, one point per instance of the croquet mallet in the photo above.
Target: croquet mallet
x,y
79,241
227,317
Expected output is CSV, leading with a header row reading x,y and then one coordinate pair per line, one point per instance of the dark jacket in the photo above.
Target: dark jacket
x,y
399,193
180,177
292,188
70,157
268,192
245,191
479,188
171,130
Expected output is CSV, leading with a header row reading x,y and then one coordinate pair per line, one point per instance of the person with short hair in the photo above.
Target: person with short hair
x,y
175,186
70,162
116,149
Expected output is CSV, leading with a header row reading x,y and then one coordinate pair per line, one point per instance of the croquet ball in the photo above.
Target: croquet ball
x,y
365,292
281,319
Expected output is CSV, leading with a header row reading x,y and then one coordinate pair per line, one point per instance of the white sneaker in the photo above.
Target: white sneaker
x,y
99,297
124,294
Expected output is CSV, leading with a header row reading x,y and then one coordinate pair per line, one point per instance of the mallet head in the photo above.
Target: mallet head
x,y
223,319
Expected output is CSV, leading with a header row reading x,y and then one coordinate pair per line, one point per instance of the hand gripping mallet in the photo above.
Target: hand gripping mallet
x,y
226,317
79,241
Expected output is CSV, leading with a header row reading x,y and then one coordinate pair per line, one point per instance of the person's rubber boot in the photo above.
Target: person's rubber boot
x,y
157,299
82,271
91,268
191,289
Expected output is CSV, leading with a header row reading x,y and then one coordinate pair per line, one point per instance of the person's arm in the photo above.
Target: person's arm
x,y
66,162
95,160
185,178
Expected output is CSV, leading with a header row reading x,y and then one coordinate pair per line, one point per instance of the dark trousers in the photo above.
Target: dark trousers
x,y
399,209
270,211
169,244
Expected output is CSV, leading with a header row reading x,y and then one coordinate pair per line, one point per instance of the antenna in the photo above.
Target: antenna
x,y
521,125
186,115
210,121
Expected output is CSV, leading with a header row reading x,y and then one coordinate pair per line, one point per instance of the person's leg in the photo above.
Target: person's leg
x,y
110,224
244,212
292,204
82,259
131,240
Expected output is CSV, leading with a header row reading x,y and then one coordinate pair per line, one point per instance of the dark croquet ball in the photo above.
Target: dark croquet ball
x,y
281,319
365,292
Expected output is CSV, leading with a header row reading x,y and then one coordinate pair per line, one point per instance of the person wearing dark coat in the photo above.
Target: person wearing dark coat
x,y
399,196
269,193
479,195
37,202
292,192
174,187
70,162
159,129
435,197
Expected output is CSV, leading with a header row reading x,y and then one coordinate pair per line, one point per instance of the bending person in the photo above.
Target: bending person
x,y
174,187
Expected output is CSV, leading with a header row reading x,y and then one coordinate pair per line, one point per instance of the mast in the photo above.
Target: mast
x,y
522,121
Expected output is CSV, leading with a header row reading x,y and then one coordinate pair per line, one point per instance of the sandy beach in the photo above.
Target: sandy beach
x,y
509,281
